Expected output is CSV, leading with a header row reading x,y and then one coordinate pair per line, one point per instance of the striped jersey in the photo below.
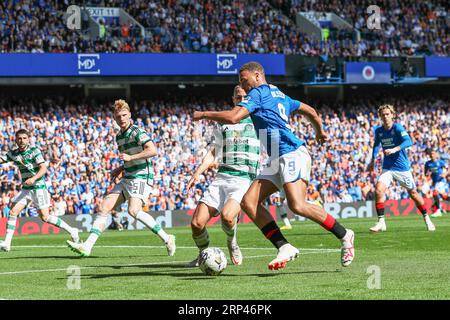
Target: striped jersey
x,y
132,141
28,162
239,148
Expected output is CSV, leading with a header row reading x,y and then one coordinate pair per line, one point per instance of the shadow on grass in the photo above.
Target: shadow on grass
x,y
195,273
47,257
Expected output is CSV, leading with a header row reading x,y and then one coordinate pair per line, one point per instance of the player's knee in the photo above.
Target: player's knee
x,y
133,212
228,220
44,217
196,225
248,206
14,213
379,192
298,208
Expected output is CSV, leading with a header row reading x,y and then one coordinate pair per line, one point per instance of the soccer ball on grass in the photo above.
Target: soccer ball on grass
x,y
212,261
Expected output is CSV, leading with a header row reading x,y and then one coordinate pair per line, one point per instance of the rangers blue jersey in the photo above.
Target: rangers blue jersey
x,y
396,136
270,109
437,169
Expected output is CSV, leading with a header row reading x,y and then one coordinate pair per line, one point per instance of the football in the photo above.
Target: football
x,y
212,261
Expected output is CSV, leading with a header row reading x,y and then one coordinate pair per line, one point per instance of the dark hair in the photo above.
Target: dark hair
x,y
23,131
252,66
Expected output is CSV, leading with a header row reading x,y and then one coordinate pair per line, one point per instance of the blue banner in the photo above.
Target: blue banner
x,y
437,66
132,64
367,72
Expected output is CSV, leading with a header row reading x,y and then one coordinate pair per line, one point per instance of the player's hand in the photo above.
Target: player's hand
x,y
194,179
125,157
198,115
388,152
370,167
322,137
29,182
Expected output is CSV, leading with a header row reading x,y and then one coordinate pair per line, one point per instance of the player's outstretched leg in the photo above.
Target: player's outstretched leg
x,y
58,222
380,189
251,205
230,213
135,210
84,249
200,234
436,206
296,197
420,203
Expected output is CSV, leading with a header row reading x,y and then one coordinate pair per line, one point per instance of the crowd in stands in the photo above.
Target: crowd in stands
x,y
406,27
217,26
79,147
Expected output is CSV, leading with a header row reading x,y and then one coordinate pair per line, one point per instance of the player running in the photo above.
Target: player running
x,y
396,166
32,169
437,168
289,163
238,150
135,151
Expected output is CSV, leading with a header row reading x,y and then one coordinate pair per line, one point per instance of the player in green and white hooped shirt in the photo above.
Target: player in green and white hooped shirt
x,y
238,166
136,149
32,169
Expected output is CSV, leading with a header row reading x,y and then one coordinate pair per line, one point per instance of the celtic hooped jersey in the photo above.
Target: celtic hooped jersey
x,y
239,147
131,142
28,162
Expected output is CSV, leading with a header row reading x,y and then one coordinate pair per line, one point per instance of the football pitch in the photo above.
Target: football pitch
x,y
406,262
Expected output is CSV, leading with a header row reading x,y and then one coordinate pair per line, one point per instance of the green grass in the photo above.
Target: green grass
x,y
414,264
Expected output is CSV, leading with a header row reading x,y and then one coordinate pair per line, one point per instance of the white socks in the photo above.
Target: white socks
x,y
10,228
97,228
59,223
148,220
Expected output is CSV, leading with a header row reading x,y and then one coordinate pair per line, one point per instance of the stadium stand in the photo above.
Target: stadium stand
x,y
80,150
213,26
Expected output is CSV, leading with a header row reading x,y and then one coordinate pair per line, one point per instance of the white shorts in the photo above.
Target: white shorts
x,y
290,167
39,198
405,178
133,188
440,187
224,188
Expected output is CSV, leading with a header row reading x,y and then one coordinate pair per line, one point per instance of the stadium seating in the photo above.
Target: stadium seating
x,y
227,26
81,150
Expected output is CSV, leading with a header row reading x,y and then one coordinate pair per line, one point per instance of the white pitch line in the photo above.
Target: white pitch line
x,y
159,247
133,264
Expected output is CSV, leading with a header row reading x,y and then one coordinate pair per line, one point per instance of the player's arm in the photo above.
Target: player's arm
x,y
41,172
207,161
232,116
375,149
4,159
148,152
311,114
406,141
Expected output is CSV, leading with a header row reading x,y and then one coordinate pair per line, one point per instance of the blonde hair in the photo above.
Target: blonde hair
x,y
390,107
120,104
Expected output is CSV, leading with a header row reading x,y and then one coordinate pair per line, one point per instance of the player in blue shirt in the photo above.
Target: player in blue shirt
x,y
437,169
394,140
289,165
